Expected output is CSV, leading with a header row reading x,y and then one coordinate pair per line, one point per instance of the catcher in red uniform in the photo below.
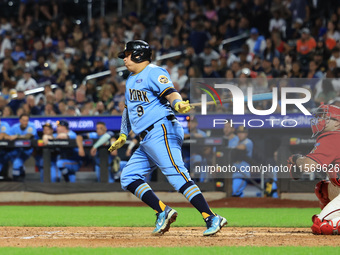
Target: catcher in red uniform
x,y
325,157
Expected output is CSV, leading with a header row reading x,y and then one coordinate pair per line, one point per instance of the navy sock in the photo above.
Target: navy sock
x,y
191,191
143,191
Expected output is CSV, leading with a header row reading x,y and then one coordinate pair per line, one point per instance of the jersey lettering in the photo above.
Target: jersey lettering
x,y
138,95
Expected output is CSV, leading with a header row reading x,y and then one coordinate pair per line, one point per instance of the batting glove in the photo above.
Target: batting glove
x,y
119,143
295,172
182,106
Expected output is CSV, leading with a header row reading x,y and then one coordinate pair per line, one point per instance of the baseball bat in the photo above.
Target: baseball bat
x,y
256,97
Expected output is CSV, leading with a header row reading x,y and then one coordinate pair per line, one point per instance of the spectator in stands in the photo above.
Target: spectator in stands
x,y
100,109
305,46
18,72
27,82
268,69
47,77
336,56
277,23
49,110
198,37
18,101
33,109
179,78
59,95
118,110
327,93
295,71
270,52
18,53
256,42
208,71
31,62
68,161
114,78
105,95
313,71
62,108
7,112
7,74
88,57
6,43
208,54
22,130
80,97
104,137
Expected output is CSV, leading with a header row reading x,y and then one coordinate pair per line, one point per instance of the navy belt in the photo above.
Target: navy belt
x,y
144,133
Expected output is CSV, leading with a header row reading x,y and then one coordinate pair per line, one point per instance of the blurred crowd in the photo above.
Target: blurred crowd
x,y
49,50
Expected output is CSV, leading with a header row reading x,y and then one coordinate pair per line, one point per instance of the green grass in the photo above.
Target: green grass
x,y
171,251
60,216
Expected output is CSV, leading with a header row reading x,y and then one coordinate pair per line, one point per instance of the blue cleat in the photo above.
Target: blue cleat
x,y
164,219
214,224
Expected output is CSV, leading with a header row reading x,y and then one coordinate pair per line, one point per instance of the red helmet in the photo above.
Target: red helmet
x,y
322,115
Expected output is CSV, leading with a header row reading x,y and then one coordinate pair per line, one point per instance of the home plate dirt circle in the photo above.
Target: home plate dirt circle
x,y
141,237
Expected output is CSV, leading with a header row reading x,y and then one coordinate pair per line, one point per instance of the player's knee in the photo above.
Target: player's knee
x,y
321,191
125,180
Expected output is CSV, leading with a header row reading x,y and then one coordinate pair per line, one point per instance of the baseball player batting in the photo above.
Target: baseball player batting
x,y
149,97
325,156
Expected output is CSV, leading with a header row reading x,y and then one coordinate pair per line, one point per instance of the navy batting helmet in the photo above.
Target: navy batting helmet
x,y
140,51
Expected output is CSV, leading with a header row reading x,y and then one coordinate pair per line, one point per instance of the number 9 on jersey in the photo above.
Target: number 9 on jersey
x,y
140,110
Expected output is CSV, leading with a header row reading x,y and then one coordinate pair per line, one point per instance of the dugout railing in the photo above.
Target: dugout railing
x,y
217,182
160,184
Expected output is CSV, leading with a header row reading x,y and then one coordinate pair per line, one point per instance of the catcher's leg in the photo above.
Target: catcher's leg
x,y
328,221
325,227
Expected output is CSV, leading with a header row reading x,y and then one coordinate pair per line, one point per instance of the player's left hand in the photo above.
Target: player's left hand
x,y
294,170
118,144
182,106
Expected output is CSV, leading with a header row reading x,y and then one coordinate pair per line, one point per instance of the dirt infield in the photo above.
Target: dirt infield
x,y
138,237
178,236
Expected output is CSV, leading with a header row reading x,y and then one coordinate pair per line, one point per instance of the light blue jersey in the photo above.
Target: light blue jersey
x,y
4,127
143,95
20,155
30,129
233,142
239,177
4,154
249,146
68,160
161,146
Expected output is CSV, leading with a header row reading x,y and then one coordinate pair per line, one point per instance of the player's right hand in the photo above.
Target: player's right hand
x,y
119,143
294,171
182,106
